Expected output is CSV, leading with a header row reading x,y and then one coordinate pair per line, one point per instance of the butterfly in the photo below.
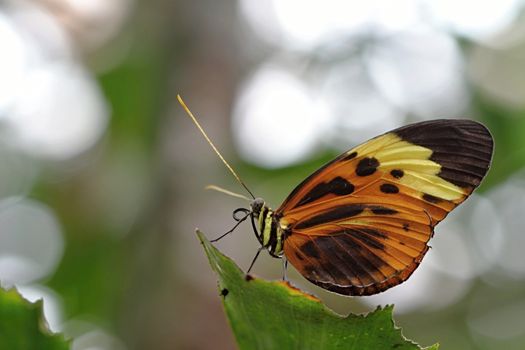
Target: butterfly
x,y
361,223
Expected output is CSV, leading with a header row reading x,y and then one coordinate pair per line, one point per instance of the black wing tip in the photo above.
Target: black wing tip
x,y
464,131
468,125
463,147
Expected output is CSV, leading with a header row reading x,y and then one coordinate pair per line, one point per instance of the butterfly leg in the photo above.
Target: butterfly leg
x,y
254,258
285,268
239,221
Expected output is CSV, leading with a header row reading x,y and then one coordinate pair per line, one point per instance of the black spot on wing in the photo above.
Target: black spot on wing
x,y
310,250
342,157
335,214
463,148
380,210
350,156
431,199
342,212
225,292
397,173
338,186
367,166
389,188
405,227
309,178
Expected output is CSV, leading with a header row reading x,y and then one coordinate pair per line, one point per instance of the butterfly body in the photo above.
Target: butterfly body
x,y
268,228
361,223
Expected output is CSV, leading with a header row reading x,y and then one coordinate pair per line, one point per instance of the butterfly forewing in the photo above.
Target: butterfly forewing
x,y
361,223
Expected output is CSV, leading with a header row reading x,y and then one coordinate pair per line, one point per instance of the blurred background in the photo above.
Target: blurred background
x,y
102,174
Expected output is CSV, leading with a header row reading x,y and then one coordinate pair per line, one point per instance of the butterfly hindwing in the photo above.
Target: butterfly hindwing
x,y
361,249
367,216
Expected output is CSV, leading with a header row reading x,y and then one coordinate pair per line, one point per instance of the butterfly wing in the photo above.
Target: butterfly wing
x,y
360,224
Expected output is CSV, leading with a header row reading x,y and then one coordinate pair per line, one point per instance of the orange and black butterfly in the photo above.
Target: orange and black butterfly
x,y
360,224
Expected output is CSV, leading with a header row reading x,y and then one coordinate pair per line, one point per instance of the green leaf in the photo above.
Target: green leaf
x,y
22,325
275,315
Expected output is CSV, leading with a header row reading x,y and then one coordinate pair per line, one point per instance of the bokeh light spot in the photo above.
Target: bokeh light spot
x,y
277,121
478,20
421,72
357,111
60,114
31,242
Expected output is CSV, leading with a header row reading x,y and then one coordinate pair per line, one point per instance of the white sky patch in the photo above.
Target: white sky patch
x,y
277,121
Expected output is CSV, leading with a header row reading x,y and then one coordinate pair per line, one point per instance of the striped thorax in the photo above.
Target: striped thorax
x,y
268,229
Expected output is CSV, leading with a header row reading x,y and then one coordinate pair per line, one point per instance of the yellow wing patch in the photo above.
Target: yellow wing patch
x,y
420,173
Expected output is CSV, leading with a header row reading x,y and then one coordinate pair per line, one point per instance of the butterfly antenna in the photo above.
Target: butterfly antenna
x,y
212,145
225,191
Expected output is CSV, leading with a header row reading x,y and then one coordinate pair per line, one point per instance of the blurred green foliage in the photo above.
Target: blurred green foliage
x,y
22,325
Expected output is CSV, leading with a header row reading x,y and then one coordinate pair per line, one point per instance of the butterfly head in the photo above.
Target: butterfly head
x,y
256,205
